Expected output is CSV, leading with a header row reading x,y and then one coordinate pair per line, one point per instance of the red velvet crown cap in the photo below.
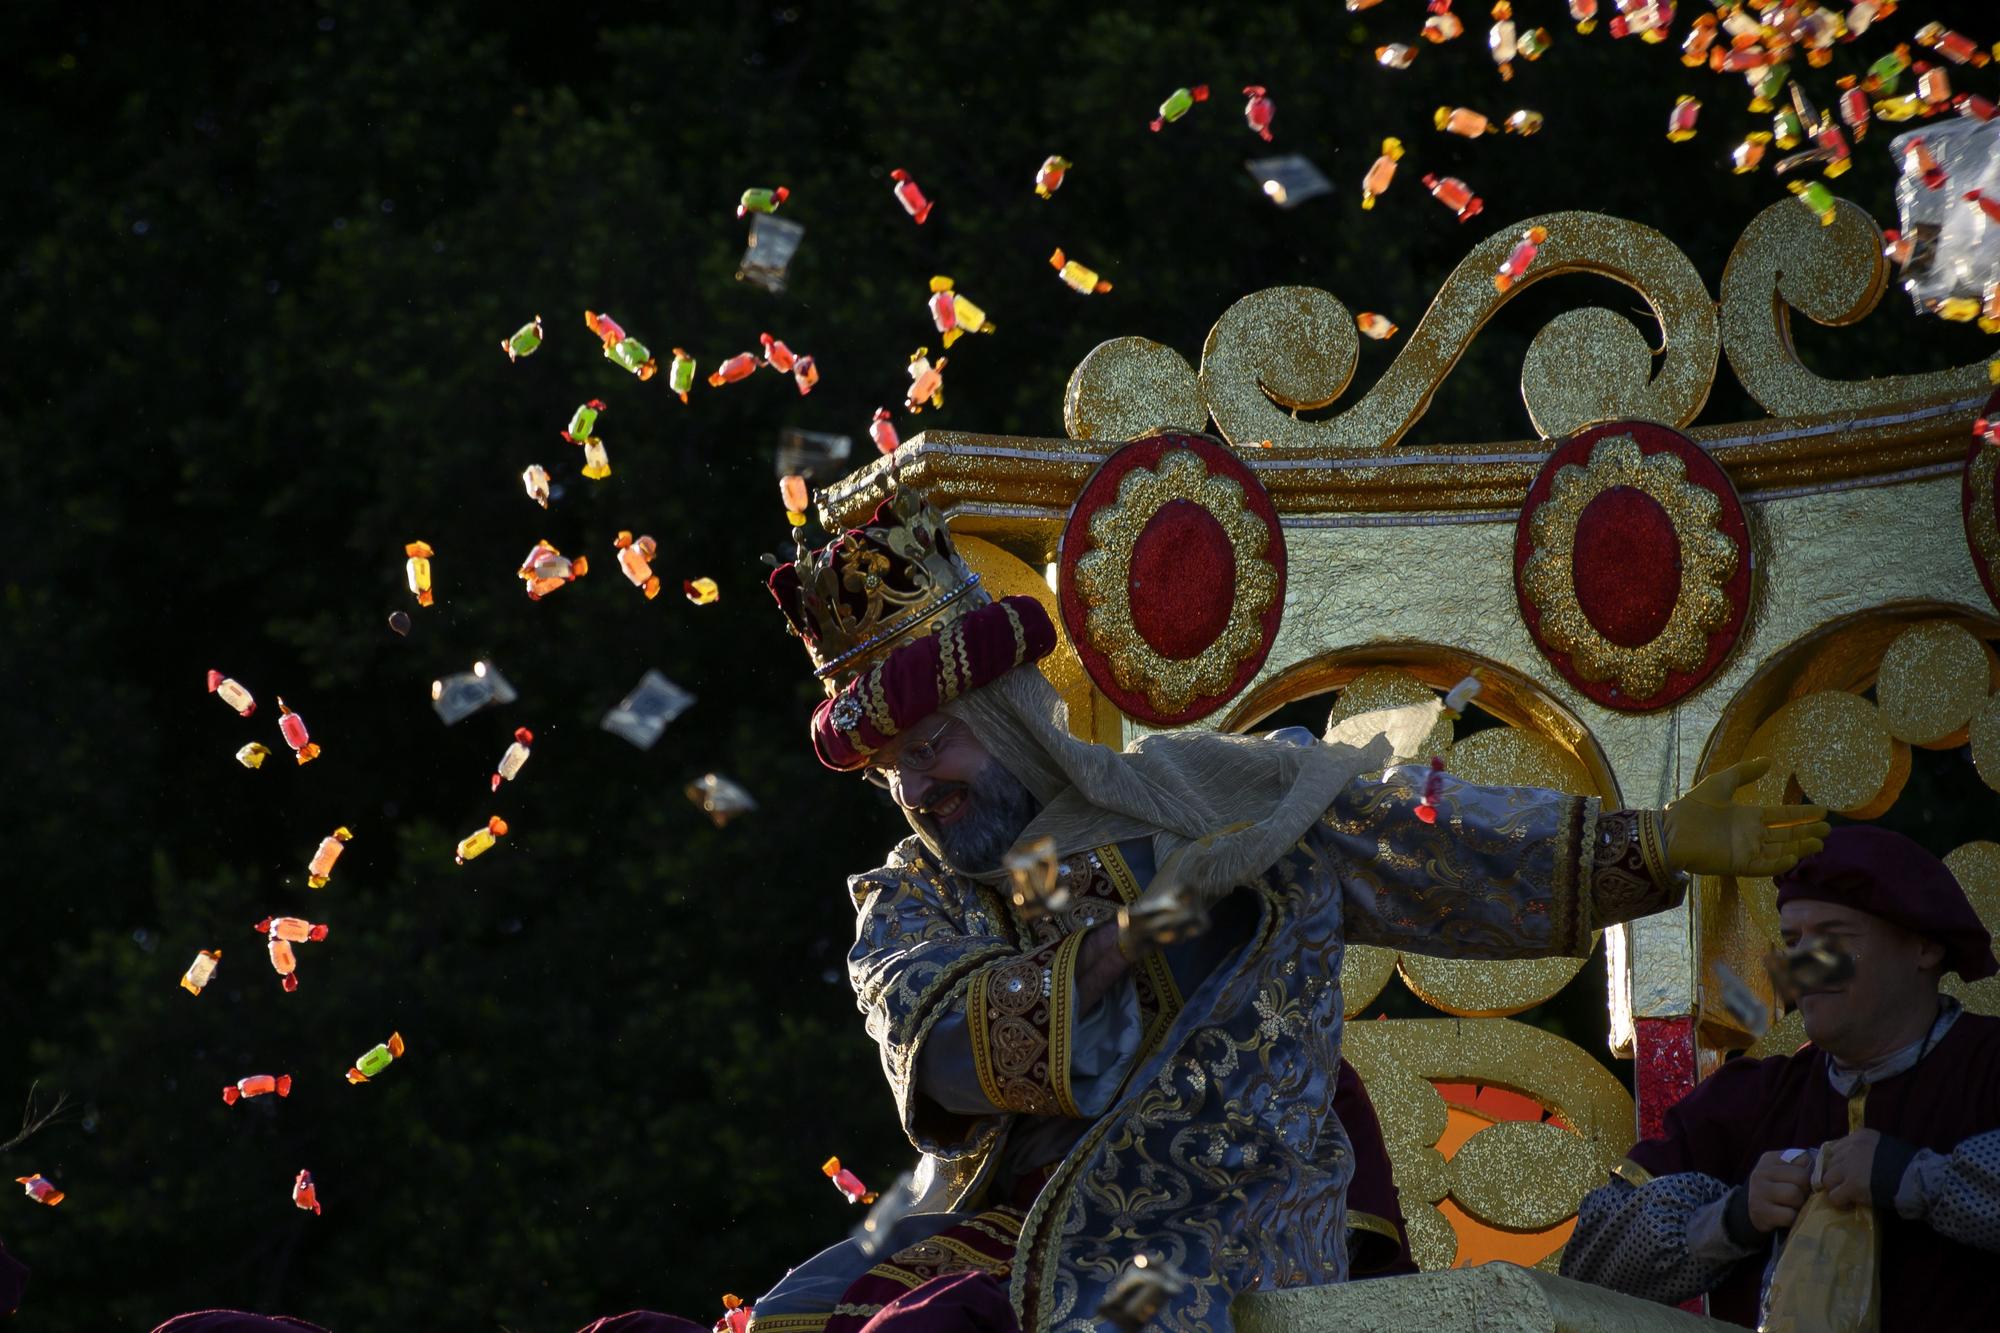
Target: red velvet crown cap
x,y
1885,874
920,676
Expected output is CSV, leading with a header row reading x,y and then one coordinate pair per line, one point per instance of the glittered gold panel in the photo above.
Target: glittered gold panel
x,y
1984,532
1934,677
1976,865
1985,736
1129,388
1494,1298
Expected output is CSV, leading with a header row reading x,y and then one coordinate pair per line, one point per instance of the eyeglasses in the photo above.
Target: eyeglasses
x,y
916,757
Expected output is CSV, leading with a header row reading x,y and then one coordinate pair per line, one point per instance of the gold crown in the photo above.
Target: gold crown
x,y
857,598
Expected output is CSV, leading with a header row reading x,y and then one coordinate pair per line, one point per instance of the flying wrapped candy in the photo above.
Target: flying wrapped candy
x,y
1749,1009
1140,1293
1179,102
1290,180
620,347
535,481
719,798
1443,27
1765,85
321,865
1433,784
525,340
1520,258
284,962
1396,55
293,728
1049,176
1456,195
1695,47
776,355
635,561
1953,46
547,569
739,367
1502,39
1747,156
896,1203
883,431
735,1315
926,380
1919,162
582,431
1934,86
1853,107
811,454
1988,204
1584,12
846,1182
702,591
1815,196
1258,111
378,1058
1680,121
256,1086
517,754
463,693
1534,44
643,715
680,375
399,621
1954,248
797,497
762,200
1524,123
304,1194
1079,278
1376,182
253,755
910,196
805,374
480,840
1787,131
291,929
767,256
1463,121
200,971
417,570
1356,6
1975,106
1374,326
231,693
1861,15
40,1190
953,314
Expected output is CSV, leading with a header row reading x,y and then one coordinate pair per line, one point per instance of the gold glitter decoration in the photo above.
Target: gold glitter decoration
x,y
1290,349
1523,1176
1364,970
1708,559
1128,388
1842,754
1103,580
1003,574
1388,687
1785,261
1934,678
1976,866
1433,1240
1984,529
1985,736
1492,1298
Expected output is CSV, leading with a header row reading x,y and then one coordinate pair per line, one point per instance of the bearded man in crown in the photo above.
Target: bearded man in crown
x,y
1098,1080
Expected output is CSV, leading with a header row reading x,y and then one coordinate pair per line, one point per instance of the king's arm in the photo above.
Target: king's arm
x,y
971,1024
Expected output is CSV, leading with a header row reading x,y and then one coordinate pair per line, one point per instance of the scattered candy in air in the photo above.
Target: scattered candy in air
x,y
680,376
525,340
1987,204
643,715
1290,180
463,693
581,431
535,481
1787,131
1953,46
321,865
1502,41
1395,55
627,351
927,380
1463,121
379,1057
293,728
231,693
1460,695
768,254
1258,111
517,753
1680,121
953,314
701,591
897,1202
1534,44
735,1315
1918,161
846,1182
1584,12
805,374
253,755
1748,155
1382,173
200,971
40,1190
811,453
719,798
1815,196
1853,106
1456,195
1356,6
1525,123
480,840
1374,325
1975,107
291,929
257,1085
1079,278
798,499
635,557
545,570
883,431
1433,784
1443,27
399,621
304,1195
1179,102
776,355
417,570
284,962
1934,86
1049,176
910,196
762,200
1701,37
1520,258
739,367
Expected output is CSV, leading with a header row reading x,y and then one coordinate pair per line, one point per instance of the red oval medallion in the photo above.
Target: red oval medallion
x,y
1181,558
1627,566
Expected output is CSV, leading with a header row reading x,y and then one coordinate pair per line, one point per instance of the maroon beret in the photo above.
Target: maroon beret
x,y
1888,875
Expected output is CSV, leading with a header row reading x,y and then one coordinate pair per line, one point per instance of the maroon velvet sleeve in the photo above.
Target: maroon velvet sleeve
x,y
1373,1189
957,1303
1709,1129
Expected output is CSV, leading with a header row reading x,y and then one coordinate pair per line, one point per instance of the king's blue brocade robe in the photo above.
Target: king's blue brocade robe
x,y
1215,1144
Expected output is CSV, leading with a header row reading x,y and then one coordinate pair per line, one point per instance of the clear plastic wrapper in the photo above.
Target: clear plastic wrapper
x,y
463,693
643,715
1290,180
1954,245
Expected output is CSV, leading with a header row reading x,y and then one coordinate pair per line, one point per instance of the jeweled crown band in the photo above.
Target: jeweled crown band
x,y
901,627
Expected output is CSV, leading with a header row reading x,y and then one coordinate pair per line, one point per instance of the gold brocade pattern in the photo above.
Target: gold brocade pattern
x,y
1708,560
1103,578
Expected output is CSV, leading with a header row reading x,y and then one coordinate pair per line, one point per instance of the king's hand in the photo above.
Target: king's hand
x,y
1708,833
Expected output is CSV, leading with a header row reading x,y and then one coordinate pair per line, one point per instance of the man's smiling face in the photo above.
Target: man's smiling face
x,y
955,793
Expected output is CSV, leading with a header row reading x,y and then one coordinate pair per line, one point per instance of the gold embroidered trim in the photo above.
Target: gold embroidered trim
x,y
978,1023
1154,965
1381,1226
1586,883
791,1323
1653,847
1631,1173
1062,1037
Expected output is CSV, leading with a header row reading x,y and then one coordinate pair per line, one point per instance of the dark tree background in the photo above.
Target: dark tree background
x,y
258,258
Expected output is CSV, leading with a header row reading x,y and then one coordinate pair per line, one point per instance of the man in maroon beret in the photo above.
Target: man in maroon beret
x,y
1893,1104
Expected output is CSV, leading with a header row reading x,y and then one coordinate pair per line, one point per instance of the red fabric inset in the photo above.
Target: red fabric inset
x,y
1181,557
1627,566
